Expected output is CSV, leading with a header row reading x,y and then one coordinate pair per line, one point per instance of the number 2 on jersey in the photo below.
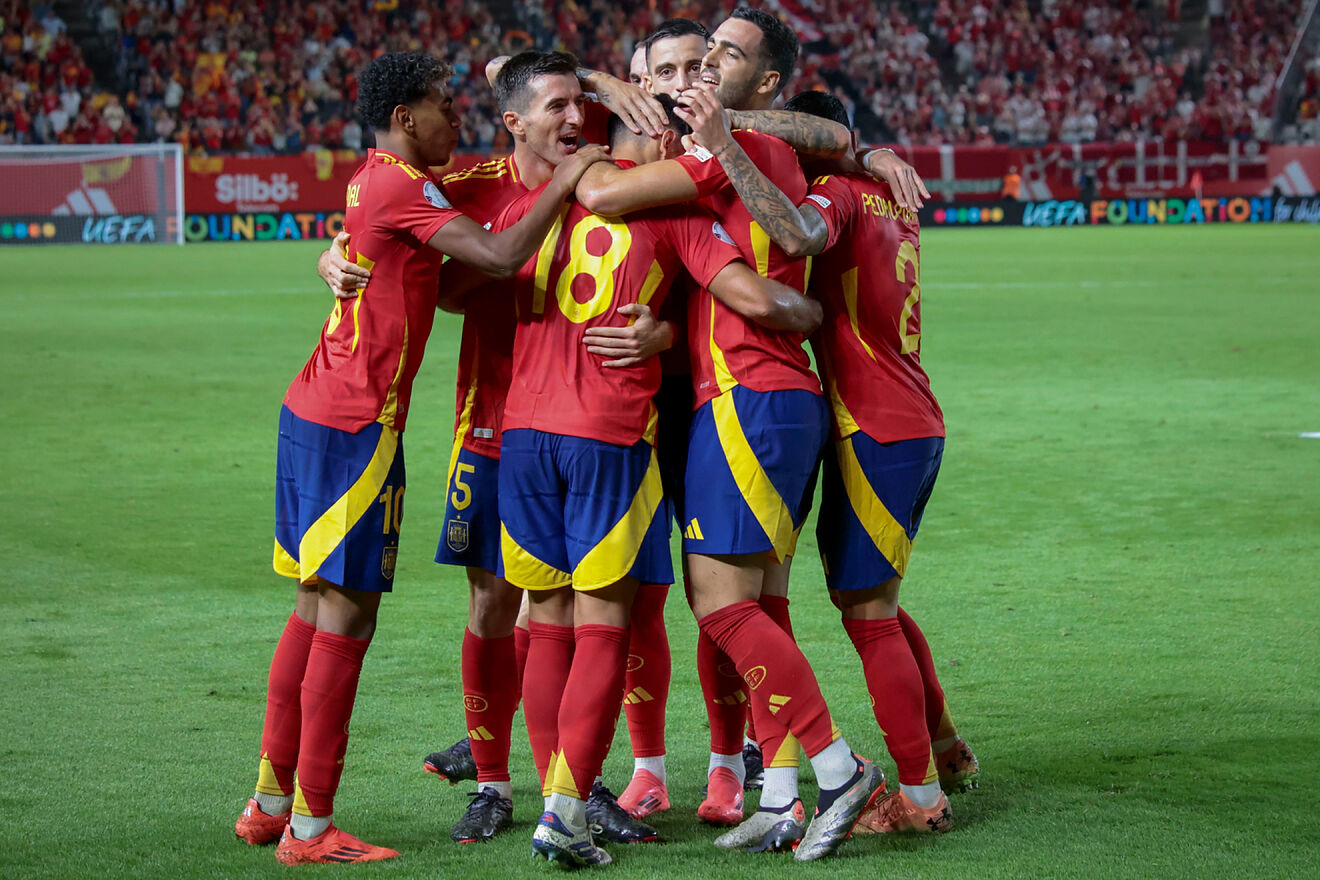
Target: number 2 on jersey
x,y
907,342
907,253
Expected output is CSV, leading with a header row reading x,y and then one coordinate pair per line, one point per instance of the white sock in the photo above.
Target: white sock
x,y
834,765
654,765
943,745
274,804
780,787
732,762
503,789
924,796
570,810
307,827
748,741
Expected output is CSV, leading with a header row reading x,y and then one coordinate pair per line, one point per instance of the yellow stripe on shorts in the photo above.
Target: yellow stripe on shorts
x,y
612,558
525,571
330,529
887,534
753,482
286,565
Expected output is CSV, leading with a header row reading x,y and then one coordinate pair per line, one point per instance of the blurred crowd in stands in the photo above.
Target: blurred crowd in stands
x,y
276,76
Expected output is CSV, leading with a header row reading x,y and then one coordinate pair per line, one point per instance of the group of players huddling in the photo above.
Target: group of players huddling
x,y
632,354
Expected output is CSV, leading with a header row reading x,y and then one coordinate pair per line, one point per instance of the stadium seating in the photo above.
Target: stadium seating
x,y
278,77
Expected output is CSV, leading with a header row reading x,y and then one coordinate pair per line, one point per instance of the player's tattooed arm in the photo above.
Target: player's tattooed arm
x,y
767,302
811,135
884,164
798,232
628,346
344,278
502,254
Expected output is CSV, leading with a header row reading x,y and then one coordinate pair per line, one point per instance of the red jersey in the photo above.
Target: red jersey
x,y
728,349
486,353
363,368
588,267
869,283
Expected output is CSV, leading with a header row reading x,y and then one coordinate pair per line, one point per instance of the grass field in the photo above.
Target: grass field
x,y
1117,573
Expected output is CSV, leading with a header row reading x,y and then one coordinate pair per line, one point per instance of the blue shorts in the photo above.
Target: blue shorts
x,y
871,505
338,503
751,470
471,535
580,512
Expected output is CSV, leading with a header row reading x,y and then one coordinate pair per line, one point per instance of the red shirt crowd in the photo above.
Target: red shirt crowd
x,y
278,76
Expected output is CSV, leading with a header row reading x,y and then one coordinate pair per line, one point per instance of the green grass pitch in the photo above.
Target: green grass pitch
x,y
1117,572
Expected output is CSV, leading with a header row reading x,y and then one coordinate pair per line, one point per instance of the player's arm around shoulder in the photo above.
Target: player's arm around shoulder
x,y
809,135
769,303
501,254
611,191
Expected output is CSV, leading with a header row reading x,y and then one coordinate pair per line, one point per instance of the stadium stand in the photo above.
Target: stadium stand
x,y
224,76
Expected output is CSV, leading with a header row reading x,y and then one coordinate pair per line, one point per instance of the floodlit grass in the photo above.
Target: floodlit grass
x,y
1117,572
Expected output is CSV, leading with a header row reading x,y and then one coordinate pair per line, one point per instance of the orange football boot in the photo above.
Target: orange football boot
x,y
724,799
259,828
329,847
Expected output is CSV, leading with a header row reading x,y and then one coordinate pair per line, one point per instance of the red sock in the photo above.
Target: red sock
x,y
490,697
328,690
522,640
938,723
897,698
776,671
724,695
646,684
590,707
550,656
279,737
768,731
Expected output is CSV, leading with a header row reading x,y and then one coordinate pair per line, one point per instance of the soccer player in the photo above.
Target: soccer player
x,y
756,436
545,126
340,466
888,440
580,494
637,66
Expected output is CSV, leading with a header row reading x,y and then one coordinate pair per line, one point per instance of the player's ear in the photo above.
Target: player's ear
x,y
404,117
513,122
769,82
853,136
669,145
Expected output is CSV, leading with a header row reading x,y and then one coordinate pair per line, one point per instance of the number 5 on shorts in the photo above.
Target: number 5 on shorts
x,y
462,496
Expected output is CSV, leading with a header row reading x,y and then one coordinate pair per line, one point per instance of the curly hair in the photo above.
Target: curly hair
x,y
393,79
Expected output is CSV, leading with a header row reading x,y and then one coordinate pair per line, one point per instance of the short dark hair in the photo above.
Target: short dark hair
x,y
779,44
675,27
393,79
618,129
514,80
821,104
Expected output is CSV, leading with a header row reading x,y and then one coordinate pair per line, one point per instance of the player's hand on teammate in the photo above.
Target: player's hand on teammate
x,y
638,108
901,177
703,111
628,346
570,171
344,278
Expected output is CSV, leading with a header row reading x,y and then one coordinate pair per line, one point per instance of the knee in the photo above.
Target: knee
x,y
493,608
